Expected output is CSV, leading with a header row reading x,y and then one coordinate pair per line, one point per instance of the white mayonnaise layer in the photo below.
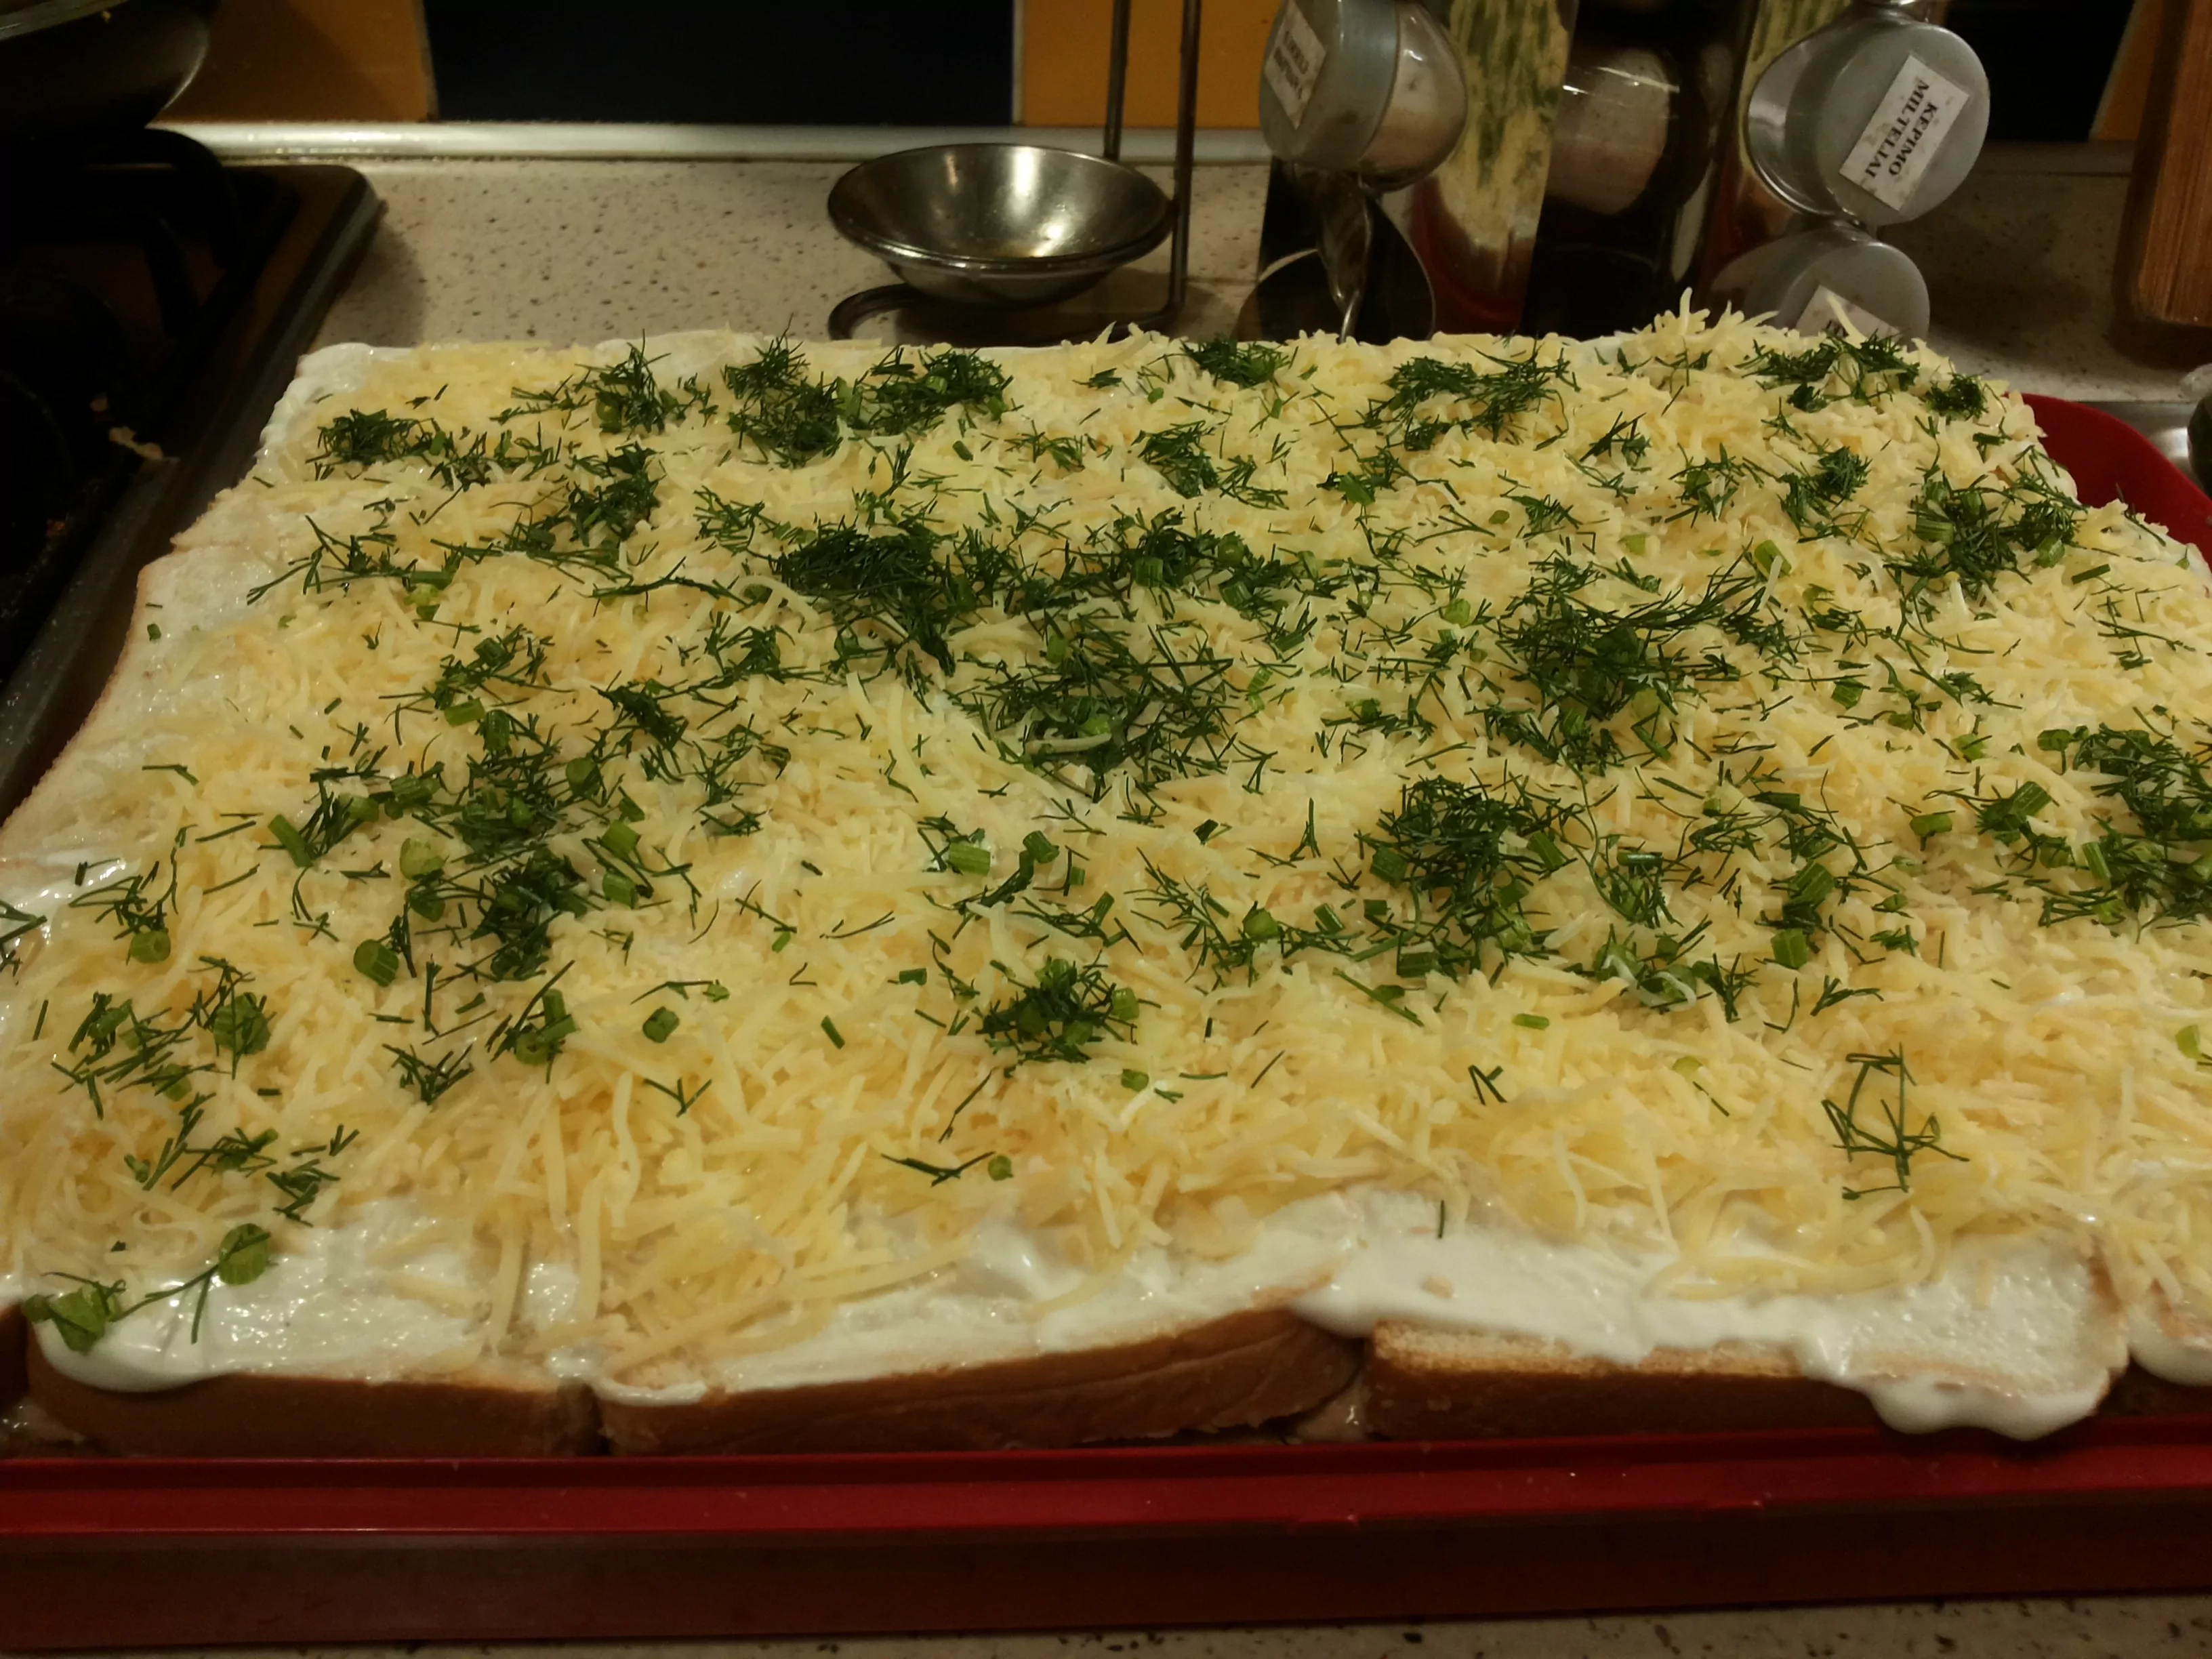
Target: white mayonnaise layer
x,y
2015,1336
2162,1353
1007,1300
375,1298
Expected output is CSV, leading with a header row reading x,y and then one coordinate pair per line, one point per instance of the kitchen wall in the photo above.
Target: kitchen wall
x,y
1064,52
835,63
312,60
2063,69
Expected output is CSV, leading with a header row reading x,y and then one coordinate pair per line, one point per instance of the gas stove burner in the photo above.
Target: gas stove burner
x,y
71,376
51,480
115,278
153,301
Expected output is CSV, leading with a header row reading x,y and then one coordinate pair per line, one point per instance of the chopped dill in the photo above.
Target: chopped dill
x,y
1245,366
1059,1017
1896,1137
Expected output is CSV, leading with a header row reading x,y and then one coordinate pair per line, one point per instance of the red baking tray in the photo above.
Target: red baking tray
x,y
2111,461
137,1552
97,1554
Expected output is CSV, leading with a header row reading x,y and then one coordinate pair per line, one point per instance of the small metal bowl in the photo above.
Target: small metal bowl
x,y
999,224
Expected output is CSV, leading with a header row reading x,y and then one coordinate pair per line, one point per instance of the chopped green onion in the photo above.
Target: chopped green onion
x,y
968,858
660,1022
377,961
1812,884
240,1025
243,1255
289,838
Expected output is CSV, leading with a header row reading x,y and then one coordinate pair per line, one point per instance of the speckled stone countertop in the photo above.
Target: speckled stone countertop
x,y
584,251
2019,267
2019,262
2139,1627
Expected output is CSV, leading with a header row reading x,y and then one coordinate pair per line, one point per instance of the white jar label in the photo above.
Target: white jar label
x,y
1295,57
1827,309
1907,128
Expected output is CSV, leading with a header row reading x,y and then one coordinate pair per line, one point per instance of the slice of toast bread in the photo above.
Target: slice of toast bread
x,y
15,1340
1417,1382
1235,1372
1427,1382
2179,1343
264,1414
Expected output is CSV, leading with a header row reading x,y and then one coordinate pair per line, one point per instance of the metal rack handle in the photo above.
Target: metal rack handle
x,y
850,312
1117,88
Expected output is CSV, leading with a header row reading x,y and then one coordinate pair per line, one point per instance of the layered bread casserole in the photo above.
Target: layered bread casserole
x,y
717,894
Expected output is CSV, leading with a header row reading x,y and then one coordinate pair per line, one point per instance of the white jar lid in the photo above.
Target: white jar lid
x,y
1877,117
1373,86
1814,279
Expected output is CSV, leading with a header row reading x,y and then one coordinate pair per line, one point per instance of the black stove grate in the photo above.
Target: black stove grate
x,y
116,281
152,303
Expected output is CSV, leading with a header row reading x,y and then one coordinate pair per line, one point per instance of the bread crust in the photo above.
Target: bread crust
x,y
15,1339
1247,1369
1426,1383
2139,1393
257,1414
1230,1373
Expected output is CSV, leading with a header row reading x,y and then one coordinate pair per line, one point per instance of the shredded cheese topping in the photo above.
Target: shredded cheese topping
x,y
734,833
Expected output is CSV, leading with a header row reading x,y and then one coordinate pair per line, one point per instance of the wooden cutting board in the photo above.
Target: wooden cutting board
x,y
2165,269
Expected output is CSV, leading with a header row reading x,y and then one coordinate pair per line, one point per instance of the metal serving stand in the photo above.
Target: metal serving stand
x,y
984,237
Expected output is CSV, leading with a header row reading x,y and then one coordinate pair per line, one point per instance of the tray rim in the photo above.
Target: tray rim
x,y
823,1498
